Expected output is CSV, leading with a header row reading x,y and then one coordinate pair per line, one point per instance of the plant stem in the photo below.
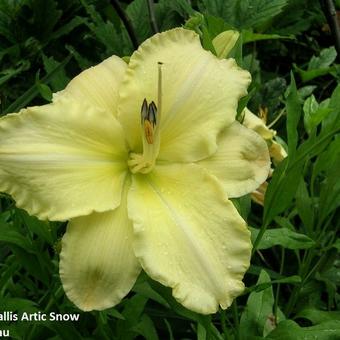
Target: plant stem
x,y
332,19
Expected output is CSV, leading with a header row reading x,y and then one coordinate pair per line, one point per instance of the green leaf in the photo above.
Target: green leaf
x,y
65,330
281,189
146,328
105,32
138,13
10,235
293,108
250,36
287,175
132,313
44,91
32,92
168,326
326,58
318,316
67,28
290,330
45,17
312,74
201,332
40,228
7,74
258,310
134,309
282,237
261,286
82,62
17,304
319,66
309,107
243,205
243,14
143,288
330,189
216,25
243,103
327,159
304,205
182,7
194,23
170,14
314,113
59,80
305,91
332,120
165,292
114,313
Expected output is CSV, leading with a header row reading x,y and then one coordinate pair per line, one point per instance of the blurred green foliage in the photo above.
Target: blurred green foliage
x,y
292,282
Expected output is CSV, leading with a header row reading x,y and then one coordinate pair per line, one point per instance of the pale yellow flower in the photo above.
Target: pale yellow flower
x,y
142,190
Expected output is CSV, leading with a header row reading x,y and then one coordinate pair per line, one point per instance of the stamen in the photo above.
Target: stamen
x,y
149,120
150,129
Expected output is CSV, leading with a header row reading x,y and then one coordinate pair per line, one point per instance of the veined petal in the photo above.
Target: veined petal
x,y
188,236
62,160
200,94
241,162
97,264
98,85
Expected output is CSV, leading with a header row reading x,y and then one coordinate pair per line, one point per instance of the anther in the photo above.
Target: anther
x,y
149,120
152,113
144,111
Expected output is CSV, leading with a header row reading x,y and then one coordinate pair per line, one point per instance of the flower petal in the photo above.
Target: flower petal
x,y
251,121
97,264
241,162
188,236
200,94
62,160
277,152
98,85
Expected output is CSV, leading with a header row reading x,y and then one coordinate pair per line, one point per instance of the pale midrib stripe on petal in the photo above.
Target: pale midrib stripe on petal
x,y
208,274
54,158
69,139
184,92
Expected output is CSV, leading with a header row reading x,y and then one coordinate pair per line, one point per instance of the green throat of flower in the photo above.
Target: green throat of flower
x,y
150,131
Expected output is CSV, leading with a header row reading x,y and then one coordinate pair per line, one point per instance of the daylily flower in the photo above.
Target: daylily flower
x,y
141,158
